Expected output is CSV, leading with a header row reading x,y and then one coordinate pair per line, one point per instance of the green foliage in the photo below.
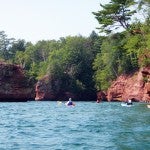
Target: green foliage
x,y
107,62
115,14
5,44
56,63
74,60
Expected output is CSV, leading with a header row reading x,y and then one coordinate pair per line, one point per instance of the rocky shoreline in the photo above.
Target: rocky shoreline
x,y
16,86
134,86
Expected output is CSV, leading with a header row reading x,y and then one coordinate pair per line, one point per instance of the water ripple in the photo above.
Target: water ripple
x,y
88,126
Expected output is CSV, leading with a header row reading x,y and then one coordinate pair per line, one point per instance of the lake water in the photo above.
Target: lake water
x,y
87,126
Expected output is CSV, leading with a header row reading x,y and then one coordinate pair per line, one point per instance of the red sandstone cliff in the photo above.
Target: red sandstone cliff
x,y
135,87
48,88
14,86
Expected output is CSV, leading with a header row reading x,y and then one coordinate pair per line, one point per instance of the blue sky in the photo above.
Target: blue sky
x,y
35,20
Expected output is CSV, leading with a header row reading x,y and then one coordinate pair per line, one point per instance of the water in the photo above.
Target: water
x,y
87,126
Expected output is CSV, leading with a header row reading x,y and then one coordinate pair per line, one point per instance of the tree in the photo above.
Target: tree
x,y
115,14
5,43
108,63
73,61
16,46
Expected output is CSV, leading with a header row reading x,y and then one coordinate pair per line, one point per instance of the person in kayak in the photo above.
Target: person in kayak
x,y
70,103
129,102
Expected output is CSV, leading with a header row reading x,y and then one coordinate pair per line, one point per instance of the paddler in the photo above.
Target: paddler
x,y
70,103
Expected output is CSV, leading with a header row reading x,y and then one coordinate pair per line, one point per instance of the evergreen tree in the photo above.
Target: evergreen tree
x,y
115,14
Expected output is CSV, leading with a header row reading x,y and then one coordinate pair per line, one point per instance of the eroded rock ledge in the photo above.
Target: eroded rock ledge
x,y
135,87
14,85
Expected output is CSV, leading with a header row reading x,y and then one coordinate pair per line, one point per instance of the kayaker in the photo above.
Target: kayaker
x,y
129,102
69,103
98,101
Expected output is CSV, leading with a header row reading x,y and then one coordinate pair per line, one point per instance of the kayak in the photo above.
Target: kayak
x,y
125,105
59,102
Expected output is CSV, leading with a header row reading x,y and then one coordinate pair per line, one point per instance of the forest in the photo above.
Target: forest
x,y
89,64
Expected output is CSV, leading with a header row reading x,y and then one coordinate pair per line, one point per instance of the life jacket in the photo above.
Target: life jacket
x,y
70,103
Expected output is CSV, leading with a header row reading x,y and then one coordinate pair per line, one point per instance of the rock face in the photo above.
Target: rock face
x,y
101,96
48,88
14,86
135,87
